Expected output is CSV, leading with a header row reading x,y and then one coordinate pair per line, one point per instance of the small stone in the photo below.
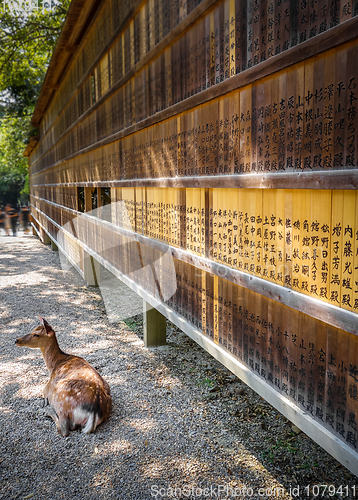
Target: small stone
x,y
216,388
295,429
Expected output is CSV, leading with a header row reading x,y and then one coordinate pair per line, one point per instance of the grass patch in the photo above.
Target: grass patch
x,y
206,382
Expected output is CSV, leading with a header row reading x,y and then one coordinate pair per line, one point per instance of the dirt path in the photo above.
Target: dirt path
x,y
181,426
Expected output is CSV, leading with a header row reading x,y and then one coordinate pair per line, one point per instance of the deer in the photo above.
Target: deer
x,y
77,394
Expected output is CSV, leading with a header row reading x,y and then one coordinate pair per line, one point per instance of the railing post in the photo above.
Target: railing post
x,y
91,270
154,326
46,238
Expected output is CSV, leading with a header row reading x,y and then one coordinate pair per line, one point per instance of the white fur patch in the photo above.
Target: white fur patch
x,y
85,419
89,426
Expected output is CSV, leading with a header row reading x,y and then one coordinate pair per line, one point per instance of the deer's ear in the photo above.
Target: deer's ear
x,y
48,328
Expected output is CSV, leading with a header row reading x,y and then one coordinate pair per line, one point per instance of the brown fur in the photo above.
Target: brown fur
x,y
77,394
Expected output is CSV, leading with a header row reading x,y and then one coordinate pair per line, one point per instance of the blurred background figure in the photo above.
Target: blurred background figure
x,y
7,221
25,212
10,219
2,219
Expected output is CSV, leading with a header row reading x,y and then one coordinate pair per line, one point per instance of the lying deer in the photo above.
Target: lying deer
x,y
77,394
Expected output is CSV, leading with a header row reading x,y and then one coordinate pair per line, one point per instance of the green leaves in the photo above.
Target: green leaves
x,y
13,165
26,45
27,41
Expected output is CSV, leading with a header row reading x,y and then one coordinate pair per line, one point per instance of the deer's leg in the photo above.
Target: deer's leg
x,y
61,422
64,426
50,412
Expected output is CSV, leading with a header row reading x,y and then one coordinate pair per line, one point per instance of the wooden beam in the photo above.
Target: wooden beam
x,y
327,179
154,326
91,270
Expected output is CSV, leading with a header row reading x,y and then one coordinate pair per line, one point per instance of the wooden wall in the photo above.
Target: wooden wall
x,y
225,133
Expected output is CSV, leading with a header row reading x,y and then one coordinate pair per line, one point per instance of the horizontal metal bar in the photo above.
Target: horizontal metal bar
x,y
323,311
327,179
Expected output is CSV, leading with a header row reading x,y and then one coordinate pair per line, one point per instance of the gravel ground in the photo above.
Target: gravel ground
x,y
182,426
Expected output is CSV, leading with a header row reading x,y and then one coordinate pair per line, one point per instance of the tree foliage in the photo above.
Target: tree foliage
x,y
13,165
27,40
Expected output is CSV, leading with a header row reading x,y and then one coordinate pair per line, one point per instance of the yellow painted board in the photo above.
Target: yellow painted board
x,y
287,265
258,232
238,230
220,223
348,237
175,218
355,272
178,145
197,219
225,236
306,248
320,241
189,219
214,200
235,242
231,199
193,204
268,235
280,236
296,239
178,213
149,207
168,196
139,209
128,196
244,226
202,221
251,221
161,212
216,309
335,262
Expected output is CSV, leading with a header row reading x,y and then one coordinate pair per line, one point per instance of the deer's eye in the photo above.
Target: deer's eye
x,y
35,335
